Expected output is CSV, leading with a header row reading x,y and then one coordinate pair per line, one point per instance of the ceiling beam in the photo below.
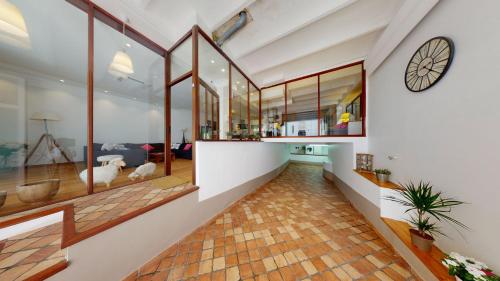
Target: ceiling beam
x,y
408,16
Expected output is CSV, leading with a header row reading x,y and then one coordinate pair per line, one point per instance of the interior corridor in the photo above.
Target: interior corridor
x,y
296,227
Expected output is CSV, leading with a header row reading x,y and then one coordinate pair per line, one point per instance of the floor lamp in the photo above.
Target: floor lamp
x,y
51,142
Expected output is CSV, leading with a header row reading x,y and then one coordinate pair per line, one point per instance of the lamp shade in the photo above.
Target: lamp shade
x,y
45,116
345,117
121,66
12,26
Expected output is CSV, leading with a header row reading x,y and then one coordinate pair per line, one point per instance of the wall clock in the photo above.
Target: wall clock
x,y
429,64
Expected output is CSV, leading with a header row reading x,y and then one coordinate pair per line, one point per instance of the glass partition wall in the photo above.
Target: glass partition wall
x,y
80,92
239,105
273,108
105,100
43,105
128,106
329,104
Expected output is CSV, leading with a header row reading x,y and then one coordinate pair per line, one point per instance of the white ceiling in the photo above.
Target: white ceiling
x,y
285,38
280,31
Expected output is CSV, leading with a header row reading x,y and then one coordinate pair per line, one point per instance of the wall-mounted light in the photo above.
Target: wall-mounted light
x,y
13,29
61,80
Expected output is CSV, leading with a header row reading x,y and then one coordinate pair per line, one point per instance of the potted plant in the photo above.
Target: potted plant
x,y
244,136
426,208
468,269
382,175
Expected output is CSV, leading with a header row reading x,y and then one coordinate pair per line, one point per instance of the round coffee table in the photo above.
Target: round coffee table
x,y
105,159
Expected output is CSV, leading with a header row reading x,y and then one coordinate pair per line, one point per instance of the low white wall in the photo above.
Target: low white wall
x,y
227,171
343,162
221,166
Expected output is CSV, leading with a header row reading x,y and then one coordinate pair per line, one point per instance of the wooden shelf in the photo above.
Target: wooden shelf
x,y
431,260
373,178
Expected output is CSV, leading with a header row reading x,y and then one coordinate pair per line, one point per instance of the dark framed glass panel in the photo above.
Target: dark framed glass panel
x,y
340,102
239,105
254,111
302,107
214,72
273,111
43,105
180,59
129,113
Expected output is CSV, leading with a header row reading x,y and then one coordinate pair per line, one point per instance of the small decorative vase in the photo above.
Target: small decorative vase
x,y
382,177
422,243
3,196
38,191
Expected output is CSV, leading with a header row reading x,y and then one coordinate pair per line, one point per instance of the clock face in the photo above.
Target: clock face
x,y
429,64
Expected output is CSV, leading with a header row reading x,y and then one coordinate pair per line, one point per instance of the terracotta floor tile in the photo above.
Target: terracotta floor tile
x,y
287,274
219,263
296,227
205,267
233,273
15,272
15,258
274,276
245,271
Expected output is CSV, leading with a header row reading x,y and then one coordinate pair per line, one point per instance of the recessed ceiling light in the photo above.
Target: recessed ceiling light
x,y
106,91
212,61
128,45
62,81
135,98
237,82
223,70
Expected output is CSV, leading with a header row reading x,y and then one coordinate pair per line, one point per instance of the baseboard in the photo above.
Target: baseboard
x,y
306,162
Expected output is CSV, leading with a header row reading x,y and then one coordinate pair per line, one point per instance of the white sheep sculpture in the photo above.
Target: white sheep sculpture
x,y
104,174
143,171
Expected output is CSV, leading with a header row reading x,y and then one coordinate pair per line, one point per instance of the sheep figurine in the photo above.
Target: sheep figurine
x,y
143,171
104,174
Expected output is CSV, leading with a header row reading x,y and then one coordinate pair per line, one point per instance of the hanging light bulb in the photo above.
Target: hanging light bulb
x,y
121,66
13,29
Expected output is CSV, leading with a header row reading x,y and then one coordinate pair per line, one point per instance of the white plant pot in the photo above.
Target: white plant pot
x,y
458,278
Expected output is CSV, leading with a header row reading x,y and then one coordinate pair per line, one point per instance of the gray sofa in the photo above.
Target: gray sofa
x,y
134,156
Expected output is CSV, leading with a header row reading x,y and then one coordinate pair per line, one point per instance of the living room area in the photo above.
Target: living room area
x,y
47,115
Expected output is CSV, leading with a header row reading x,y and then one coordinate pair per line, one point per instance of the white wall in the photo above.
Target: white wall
x,y
116,119
309,158
181,119
342,157
221,166
121,120
448,134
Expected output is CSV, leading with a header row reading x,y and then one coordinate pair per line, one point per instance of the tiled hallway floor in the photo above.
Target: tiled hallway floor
x,y
297,227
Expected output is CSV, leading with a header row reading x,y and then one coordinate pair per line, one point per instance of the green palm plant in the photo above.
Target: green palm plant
x,y
426,204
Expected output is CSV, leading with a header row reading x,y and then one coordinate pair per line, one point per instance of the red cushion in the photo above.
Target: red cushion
x,y
147,147
187,147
